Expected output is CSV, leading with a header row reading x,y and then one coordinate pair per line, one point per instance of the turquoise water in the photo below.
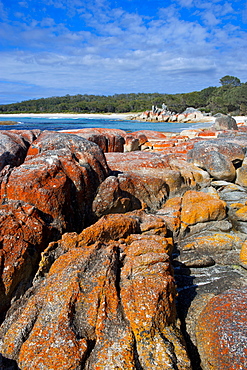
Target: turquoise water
x,y
54,123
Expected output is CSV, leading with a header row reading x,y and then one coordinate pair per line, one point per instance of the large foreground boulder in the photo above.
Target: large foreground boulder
x,y
102,305
221,331
23,236
49,193
59,177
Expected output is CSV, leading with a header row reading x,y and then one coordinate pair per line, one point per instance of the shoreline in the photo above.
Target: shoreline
x,y
92,115
72,115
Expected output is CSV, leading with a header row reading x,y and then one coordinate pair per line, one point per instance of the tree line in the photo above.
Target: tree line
x,y
229,98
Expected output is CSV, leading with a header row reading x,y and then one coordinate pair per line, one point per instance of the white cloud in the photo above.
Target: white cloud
x,y
116,51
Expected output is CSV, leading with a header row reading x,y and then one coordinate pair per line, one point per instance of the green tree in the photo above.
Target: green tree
x,y
230,80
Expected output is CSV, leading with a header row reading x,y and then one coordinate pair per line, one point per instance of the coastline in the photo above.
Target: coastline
x,y
93,115
72,115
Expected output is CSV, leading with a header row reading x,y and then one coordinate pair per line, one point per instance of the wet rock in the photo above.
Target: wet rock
x,y
114,306
221,331
224,122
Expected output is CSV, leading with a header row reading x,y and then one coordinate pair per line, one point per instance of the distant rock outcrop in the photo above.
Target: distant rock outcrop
x,y
164,115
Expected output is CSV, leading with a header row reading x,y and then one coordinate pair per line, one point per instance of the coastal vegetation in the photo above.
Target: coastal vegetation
x,y
229,98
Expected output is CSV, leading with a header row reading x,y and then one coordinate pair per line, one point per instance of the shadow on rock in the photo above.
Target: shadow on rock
x,y
7,364
186,289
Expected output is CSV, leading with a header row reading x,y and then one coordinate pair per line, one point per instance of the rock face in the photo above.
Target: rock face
x,y
114,307
221,331
127,192
60,177
51,192
242,175
224,122
23,235
13,149
177,174
217,157
100,255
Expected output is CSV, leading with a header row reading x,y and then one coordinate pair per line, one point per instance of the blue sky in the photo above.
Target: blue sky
x,y
59,47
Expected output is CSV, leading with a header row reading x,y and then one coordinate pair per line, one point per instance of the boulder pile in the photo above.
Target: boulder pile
x,y
164,115
123,250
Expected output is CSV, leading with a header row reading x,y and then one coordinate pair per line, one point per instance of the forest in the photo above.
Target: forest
x,y
229,98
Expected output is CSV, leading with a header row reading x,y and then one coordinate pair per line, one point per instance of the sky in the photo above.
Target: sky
x,y
105,47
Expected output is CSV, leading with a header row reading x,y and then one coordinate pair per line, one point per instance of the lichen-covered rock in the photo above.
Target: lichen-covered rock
x,y
100,305
201,207
233,151
243,255
23,235
127,192
177,174
242,176
57,184
109,140
86,153
217,157
171,213
221,331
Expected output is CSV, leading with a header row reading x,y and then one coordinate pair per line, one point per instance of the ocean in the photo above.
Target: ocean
x,y
73,123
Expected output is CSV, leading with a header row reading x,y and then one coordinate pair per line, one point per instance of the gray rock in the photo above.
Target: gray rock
x,y
224,122
242,175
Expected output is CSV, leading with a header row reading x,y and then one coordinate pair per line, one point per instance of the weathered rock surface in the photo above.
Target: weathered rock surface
x,y
243,255
224,122
109,140
127,192
178,174
221,331
242,176
13,149
48,194
23,235
60,180
105,297
114,307
200,207
217,157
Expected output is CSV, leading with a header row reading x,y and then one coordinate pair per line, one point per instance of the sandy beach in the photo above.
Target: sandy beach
x,y
92,115
72,115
